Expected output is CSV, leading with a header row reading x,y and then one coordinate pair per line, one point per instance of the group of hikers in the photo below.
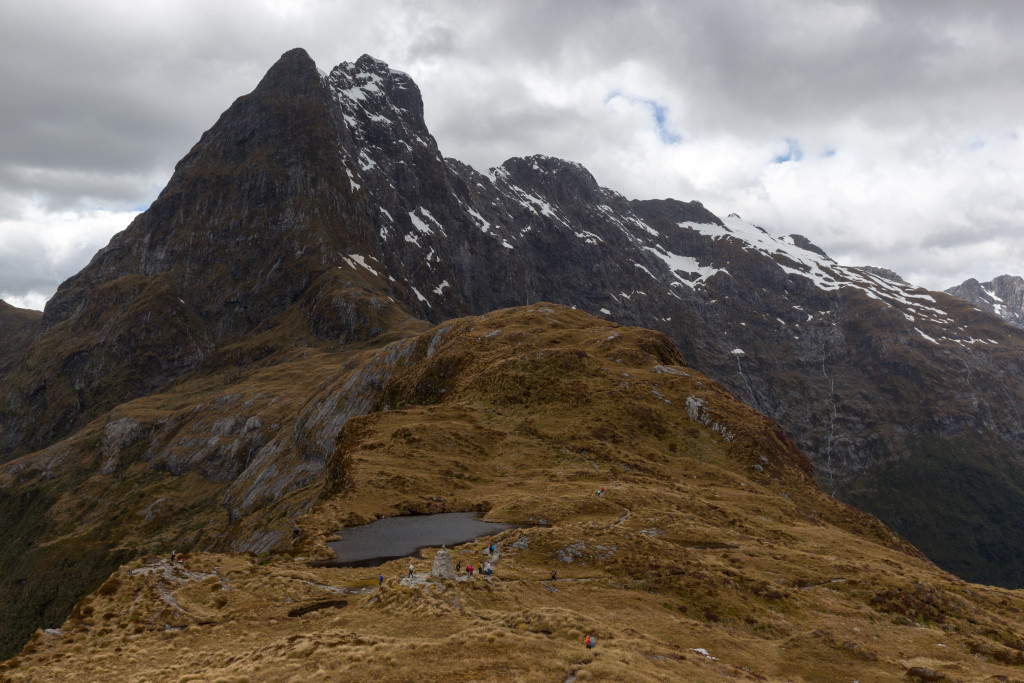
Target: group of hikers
x,y
484,569
480,568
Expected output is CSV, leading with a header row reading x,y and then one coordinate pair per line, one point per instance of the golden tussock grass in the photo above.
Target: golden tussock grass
x,y
710,554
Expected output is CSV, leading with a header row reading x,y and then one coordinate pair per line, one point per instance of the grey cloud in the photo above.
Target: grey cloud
x,y
750,67
438,41
64,189
90,95
24,270
501,121
97,107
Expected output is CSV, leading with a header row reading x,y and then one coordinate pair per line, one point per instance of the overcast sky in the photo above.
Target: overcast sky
x,y
889,133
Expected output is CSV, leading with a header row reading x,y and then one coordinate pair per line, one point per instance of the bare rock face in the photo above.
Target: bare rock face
x,y
116,435
443,567
885,273
1003,296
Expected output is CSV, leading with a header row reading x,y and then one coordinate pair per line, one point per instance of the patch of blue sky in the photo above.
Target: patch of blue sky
x,y
792,153
658,111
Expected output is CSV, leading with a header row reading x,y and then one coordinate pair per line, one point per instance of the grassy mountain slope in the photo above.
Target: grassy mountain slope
x,y
212,461
711,555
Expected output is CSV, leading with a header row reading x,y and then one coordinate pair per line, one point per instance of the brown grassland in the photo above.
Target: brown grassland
x,y
710,556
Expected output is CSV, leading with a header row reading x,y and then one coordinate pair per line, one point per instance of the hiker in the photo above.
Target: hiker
x,y
589,642
172,557
600,492
458,566
488,569
490,551
410,570
554,574
469,568
380,581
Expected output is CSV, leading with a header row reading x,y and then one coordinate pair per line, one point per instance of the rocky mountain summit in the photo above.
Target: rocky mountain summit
x,y
1003,296
188,386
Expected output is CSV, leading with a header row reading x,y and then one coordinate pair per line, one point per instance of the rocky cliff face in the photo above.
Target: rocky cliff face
x,y
318,218
1003,296
17,329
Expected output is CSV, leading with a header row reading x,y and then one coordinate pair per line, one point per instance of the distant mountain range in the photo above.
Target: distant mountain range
x,y
1003,296
317,221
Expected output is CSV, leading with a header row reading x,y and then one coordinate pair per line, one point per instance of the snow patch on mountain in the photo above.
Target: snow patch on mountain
x,y
822,271
481,222
353,259
365,162
419,224
425,222
352,180
420,296
679,265
643,226
589,237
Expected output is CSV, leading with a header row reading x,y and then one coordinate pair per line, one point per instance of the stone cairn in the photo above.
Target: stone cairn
x,y
443,568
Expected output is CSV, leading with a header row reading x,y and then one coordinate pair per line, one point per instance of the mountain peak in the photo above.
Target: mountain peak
x,y
369,62
369,88
563,180
1003,296
884,273
804,243
294,74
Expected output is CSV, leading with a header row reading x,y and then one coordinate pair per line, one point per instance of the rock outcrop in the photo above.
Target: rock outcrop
x,y
1003,296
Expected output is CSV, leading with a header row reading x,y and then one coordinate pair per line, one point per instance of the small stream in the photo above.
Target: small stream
x,y
369,545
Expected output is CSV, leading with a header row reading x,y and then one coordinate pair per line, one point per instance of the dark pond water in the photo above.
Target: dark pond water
x,y
386,539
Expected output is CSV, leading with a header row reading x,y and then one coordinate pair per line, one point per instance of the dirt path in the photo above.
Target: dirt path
x,y
624,517
172,577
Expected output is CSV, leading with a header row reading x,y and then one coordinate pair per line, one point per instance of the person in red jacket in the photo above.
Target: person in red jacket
x,y
589,642
469,568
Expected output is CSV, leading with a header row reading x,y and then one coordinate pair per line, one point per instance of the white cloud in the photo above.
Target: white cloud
x,y
40,248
